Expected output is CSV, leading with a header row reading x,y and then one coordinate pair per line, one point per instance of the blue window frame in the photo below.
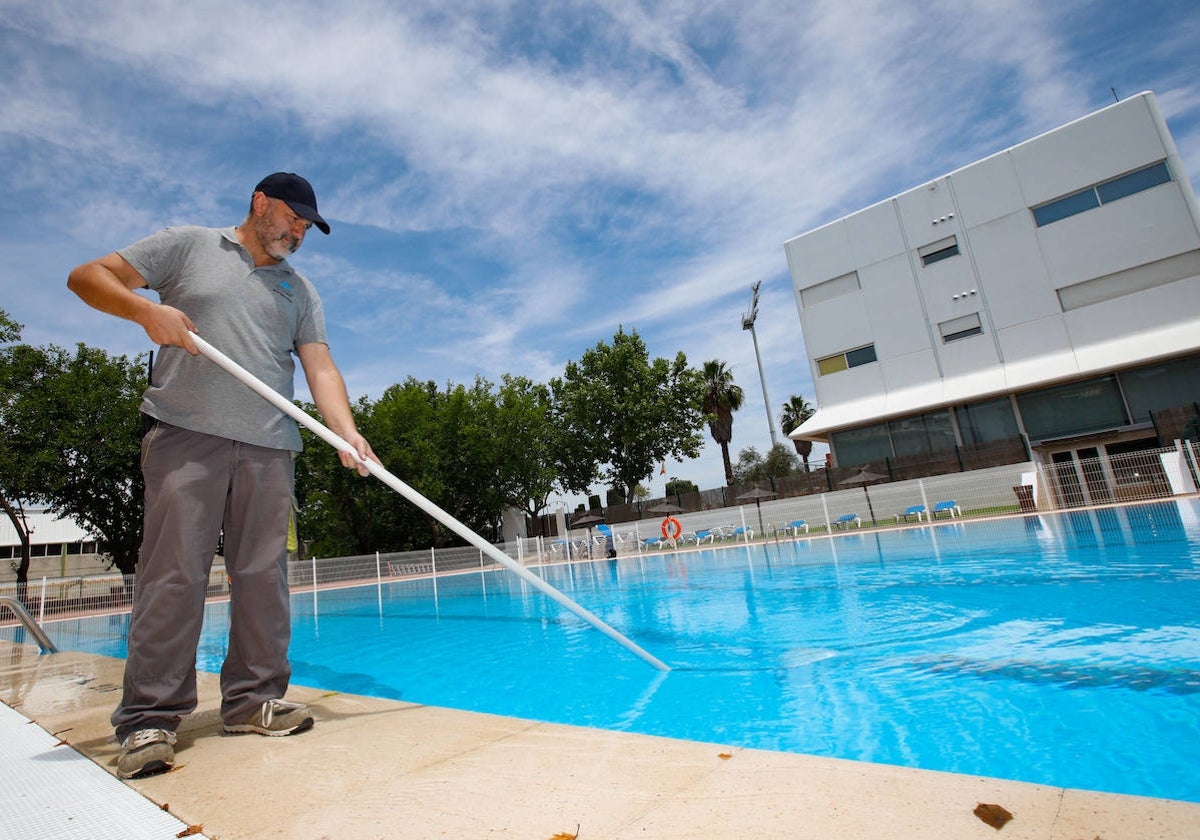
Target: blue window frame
x,y
1097,194
1134,182
1070,205
861,356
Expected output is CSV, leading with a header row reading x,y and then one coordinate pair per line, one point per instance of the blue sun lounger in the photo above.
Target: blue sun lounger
x,y
948,507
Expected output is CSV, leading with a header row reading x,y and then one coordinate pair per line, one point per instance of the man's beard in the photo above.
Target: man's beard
x,y
278,246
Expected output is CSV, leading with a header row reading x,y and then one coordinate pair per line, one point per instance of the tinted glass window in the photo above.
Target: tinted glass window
x,y
985,422
1156,387
861,356
938,256
1134,182
861,446
922,434
1074,408
1064,207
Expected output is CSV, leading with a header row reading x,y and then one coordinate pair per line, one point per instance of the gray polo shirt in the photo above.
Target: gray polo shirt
x,y
256,316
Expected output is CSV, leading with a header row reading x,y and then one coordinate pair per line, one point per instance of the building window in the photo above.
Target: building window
x,y
1091,405
1161,386
842,361
1102,193
923,434
987,421
862,445
964,327
830,289
938,251
1130,281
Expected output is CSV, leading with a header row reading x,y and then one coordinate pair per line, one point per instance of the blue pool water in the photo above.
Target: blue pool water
x,y
1062,650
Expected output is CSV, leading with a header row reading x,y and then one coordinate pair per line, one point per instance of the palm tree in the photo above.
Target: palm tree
x,y
721,399
795,411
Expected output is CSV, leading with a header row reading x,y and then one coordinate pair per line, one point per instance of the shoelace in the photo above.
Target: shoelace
x,y
273,707
145,737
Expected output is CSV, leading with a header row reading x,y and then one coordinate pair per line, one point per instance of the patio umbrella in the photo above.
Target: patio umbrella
x,y
587,519
864,477
665,508
758,494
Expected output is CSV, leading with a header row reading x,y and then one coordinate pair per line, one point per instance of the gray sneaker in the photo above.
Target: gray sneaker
x,y
275,717
146,752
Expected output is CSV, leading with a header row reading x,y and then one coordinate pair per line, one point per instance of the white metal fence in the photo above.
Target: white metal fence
x,y
997,491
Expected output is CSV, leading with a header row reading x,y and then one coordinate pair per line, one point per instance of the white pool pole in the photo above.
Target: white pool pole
x,y
303,418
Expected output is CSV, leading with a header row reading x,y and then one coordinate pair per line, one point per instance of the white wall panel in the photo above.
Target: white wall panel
x,y
1113,141
1037,351
893,307
1012,274
1146,226
875,234
987,190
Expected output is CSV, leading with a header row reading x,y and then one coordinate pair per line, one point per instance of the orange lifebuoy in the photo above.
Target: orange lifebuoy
x,y
671,529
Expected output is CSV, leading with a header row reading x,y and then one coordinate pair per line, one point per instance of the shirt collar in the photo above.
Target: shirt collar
x,y
230,235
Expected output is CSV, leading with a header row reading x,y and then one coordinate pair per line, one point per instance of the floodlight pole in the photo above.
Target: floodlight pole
x,y
748,324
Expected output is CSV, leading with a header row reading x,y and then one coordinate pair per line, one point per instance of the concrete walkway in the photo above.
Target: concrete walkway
x,y
383,769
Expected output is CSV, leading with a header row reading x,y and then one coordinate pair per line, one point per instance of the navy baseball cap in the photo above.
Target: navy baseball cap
x,y
296,193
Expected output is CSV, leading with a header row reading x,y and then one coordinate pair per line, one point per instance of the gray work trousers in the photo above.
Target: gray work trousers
x,y
195,483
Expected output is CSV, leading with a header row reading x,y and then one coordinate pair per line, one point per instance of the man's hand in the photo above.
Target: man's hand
x,y
364,454
168,325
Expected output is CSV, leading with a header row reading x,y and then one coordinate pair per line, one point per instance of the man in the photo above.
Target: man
x,y
217,456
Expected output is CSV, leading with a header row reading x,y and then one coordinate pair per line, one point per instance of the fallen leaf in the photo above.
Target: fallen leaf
x,y
993,815
190,830
565,836
166,807
724,756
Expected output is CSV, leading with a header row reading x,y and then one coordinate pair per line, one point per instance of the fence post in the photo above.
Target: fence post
x,y
314,571
379,584
433,574
825,506
42,605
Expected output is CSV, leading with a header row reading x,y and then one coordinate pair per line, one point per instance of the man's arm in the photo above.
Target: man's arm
x,y
107,284
329,393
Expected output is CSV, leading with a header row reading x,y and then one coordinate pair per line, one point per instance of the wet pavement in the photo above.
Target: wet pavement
x,y
375,768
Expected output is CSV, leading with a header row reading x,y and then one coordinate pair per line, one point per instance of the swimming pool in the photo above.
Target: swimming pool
x,y
1062,650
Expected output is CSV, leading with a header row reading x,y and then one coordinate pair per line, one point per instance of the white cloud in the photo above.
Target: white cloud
x,y
537,174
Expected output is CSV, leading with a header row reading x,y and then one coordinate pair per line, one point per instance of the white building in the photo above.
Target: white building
x,y
1040,304
57,546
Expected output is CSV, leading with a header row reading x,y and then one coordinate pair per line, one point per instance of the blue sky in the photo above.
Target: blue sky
x,y
510,181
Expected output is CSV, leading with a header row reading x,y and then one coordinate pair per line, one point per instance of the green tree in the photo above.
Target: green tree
x,y
341,512
795,411
679,486
525,443
94,406
463,448
721,398
71,441
17,469
779,461
618,410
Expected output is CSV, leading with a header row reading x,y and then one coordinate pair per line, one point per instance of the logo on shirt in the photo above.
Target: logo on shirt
x,y
285,289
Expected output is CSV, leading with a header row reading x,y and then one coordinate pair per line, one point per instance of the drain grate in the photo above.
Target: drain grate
x,y
53,791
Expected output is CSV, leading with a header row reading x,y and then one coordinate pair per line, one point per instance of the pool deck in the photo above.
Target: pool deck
x,y
375,768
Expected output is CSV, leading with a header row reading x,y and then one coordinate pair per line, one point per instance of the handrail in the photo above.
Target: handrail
x,y
30,623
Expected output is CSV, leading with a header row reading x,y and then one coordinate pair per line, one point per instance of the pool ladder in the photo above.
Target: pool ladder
x,y
30,623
